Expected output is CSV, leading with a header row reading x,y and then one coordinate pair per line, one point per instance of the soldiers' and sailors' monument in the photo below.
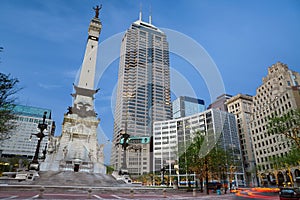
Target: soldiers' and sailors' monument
x,y
77,149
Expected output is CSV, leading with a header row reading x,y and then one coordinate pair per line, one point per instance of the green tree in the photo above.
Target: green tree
x,y
289,160
8,89
288,125
214,163
191,160
109,169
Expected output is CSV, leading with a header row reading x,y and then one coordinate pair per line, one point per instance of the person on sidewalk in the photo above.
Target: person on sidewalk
x,y
218,189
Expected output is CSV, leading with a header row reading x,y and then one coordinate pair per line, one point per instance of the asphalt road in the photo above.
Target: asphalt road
x,y
75,195
121,193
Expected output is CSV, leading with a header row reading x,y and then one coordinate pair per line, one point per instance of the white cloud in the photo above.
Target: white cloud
x,y
48,86
71,73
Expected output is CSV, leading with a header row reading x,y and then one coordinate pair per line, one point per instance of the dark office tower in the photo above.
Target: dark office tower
x,y
143,94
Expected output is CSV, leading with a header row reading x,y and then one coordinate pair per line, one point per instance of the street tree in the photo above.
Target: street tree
x,y
291,159
8,90
215,163
288,125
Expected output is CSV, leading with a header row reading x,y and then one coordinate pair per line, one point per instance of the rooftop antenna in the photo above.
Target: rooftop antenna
x,y
150,16
140,17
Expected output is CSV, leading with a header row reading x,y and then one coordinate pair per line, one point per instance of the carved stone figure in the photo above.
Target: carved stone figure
x,y
65,151
51,145
100,154
90,154
69,110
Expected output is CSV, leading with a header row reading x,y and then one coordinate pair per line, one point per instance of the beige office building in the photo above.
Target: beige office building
x,y
240,105
278,94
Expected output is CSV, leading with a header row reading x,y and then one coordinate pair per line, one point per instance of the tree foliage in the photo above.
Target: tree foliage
x,y
191,160
288,125
11,164
8,89
290,160
109,169
216,162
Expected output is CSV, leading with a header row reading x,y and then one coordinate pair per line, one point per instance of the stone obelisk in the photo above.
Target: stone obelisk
x,y
77,149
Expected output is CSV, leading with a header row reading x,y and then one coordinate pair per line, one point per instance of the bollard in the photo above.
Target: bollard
x,y
42,189
131,193
89,193
194,192
164,193
175,185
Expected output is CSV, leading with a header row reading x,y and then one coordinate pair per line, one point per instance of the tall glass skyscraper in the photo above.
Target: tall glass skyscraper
x,y
143,92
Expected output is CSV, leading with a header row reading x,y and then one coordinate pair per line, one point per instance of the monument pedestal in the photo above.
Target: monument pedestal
x,y
77,149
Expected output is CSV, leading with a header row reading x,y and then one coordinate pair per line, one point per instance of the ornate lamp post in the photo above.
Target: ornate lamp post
x,y
42,126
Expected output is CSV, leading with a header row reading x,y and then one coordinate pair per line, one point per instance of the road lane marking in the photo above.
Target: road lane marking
x,y
97,197
35,197
11,197
117,196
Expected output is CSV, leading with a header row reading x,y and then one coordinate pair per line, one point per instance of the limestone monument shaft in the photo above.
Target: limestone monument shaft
x,y
77,149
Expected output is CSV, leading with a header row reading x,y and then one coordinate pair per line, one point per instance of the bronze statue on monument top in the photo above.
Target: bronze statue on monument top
x,y
97,9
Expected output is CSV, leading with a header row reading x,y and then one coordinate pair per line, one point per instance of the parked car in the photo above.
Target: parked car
x,y
214,185
288,193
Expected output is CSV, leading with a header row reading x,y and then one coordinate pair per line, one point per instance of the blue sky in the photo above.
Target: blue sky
x,y
44,43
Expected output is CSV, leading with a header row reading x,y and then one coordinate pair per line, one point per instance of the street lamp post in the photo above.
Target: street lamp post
x,y
40,135
206,175
220,173
225,178
163,175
